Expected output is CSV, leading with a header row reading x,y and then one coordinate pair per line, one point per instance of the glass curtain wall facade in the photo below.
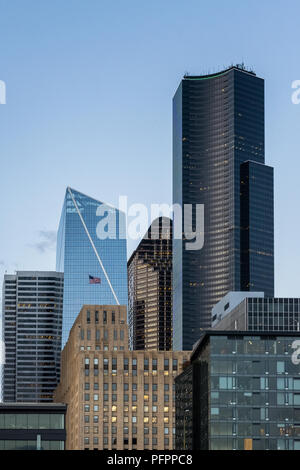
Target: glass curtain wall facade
x,y
31,331
218,125
91,251
32,426
150,289
246,392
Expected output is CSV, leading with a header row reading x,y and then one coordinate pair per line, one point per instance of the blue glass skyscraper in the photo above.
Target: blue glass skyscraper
x,y
91,251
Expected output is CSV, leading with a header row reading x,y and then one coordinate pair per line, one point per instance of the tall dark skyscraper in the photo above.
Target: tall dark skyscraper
x,y
219,161
150,289
31,330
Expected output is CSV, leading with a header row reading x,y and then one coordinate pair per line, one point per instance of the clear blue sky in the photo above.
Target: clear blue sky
x,y
89,103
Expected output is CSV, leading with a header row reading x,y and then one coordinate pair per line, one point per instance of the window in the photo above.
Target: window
x,y
96,397
104,317
86,397
96,317
113,317
88,316
114,366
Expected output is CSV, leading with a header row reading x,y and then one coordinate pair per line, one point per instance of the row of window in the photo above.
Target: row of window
x,y
105,334
114,397
114,441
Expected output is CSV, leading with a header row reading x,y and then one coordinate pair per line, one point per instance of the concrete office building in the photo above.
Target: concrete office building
x,y
117,398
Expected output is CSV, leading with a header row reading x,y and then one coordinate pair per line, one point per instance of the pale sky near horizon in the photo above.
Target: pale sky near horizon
x,y
89,105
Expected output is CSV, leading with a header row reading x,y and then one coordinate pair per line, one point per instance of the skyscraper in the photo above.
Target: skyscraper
x,y
31,331
91,251
150,289
219,161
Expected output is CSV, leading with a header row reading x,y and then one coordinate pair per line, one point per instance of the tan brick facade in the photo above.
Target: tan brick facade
x,y
117,399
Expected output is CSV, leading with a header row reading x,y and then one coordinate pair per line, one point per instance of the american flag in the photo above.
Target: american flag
x,y
94,280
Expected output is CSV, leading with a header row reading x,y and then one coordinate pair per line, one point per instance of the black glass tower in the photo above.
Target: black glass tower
x,y
219,161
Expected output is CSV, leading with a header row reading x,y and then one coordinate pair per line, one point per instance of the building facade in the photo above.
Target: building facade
x,y
32,304
32,426
150,289
219,162
256,313
91,252
245,392
117,398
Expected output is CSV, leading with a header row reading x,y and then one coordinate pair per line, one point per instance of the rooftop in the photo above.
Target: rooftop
x,y
240,67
